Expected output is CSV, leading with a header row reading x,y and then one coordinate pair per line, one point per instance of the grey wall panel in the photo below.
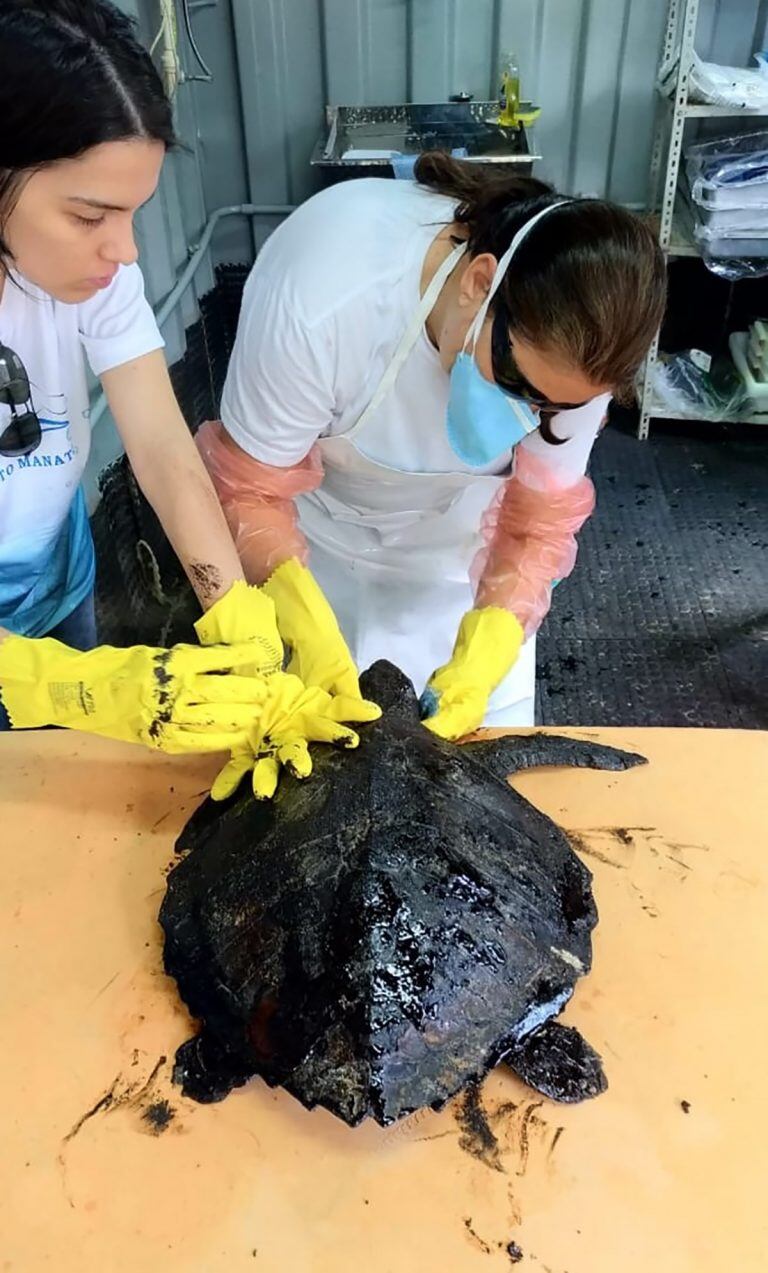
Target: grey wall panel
x,y
210,120
589,63
281,60
450,48
731,30
364,49
558,91
634,102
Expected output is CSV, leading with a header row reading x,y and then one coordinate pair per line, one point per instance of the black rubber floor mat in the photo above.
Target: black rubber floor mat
x,y
665,618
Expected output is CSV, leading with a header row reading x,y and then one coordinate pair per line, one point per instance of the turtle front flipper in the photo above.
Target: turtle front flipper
x,y
512,752
559,1063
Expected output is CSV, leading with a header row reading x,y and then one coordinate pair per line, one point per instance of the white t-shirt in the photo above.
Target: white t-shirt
x,y
324,308
45,549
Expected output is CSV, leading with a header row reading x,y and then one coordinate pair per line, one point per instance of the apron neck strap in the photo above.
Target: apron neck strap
x,y
476,326
410,335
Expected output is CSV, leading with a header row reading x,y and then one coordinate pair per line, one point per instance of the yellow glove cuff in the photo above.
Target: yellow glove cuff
x,y
41,684
487,645
244,614
301,604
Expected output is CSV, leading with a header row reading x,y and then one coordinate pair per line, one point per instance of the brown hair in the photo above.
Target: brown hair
x,y
588,282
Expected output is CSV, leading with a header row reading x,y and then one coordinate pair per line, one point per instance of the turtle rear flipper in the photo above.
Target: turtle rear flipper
x,y
559,1063
512,752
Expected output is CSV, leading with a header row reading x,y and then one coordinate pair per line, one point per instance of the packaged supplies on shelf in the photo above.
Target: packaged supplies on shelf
x,y
755,387
729,172
689,384
734,244
757,349
713,85
732,267
745,223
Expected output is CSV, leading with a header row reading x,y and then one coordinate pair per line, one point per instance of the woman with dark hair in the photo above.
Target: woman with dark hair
x,y
85,128
426,366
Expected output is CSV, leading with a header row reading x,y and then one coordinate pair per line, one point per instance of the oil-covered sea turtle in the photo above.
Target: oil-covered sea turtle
x,y
378,937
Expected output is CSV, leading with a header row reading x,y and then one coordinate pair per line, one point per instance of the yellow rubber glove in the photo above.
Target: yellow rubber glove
x,y
319,653
174,700
293,715
455,700
245,614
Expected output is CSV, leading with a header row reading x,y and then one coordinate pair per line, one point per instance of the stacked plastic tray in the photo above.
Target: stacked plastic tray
x,y
728,194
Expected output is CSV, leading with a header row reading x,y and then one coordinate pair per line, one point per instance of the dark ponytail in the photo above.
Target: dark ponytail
x,y
589,281
484,195
73,74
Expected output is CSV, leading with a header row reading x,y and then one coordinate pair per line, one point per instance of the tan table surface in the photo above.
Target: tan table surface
x,y
635,1180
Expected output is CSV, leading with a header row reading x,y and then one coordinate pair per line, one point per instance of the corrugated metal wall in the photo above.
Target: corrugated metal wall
x,y
589,63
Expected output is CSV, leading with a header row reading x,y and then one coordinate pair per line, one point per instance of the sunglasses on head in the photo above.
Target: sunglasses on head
x,y
508,375
22,435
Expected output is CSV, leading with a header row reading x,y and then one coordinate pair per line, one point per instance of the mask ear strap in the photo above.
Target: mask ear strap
x,y
476,326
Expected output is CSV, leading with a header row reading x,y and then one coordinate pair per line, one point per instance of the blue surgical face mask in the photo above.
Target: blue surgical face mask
x,y
484,421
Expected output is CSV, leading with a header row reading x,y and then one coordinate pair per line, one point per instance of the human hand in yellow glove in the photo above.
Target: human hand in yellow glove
x,y
293,715
245,614
319,653
174,700
455,700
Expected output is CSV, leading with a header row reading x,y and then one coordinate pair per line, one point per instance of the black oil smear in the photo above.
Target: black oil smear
x,y
477,1138
206,579
114,1098
104,1102
158,1116
685,1107
583,845
163,681
525,1139
558,1133
514,1252
476,1236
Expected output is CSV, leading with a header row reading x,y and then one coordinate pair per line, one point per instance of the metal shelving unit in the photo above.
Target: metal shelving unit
x,y
675,230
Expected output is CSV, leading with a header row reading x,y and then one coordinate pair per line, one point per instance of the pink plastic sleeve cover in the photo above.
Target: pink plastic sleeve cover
x,y
257,500
530,540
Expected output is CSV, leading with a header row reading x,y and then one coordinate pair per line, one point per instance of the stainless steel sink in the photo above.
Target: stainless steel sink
x,y
368,137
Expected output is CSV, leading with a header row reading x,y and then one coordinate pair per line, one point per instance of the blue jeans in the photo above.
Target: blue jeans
x,y
77,630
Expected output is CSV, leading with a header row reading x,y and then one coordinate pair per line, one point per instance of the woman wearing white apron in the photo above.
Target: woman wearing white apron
x,y
418,377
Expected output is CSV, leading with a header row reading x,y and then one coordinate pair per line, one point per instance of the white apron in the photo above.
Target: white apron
x,y
392,549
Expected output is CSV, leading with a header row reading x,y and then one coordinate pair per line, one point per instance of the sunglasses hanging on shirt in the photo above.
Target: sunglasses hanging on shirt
x,y
22,435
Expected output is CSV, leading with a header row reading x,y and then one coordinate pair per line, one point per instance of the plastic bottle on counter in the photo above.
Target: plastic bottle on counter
x,y
509,91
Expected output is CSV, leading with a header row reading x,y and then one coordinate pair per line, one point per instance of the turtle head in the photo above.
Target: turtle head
x,y
386,685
